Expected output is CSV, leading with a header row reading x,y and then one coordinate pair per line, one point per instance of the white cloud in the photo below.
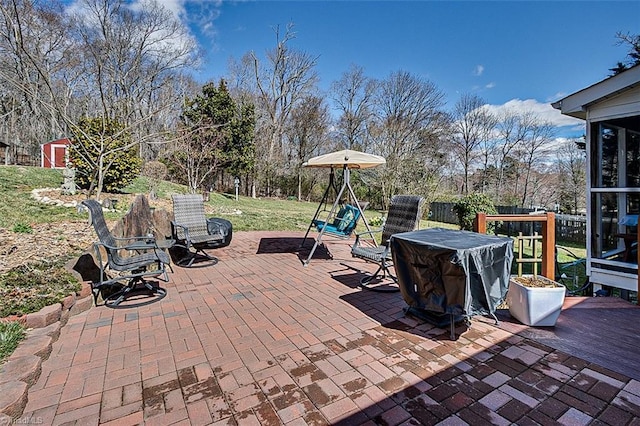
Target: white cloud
x,y
176,7
557,97
479,69
181,39
490,85
543,110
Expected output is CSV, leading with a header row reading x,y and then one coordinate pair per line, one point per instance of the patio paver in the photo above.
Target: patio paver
x,y
260,339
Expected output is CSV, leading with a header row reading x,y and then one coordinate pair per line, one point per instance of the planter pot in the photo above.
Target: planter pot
x,y
535,306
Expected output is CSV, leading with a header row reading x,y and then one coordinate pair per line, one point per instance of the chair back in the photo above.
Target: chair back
x,y
96,217
346,219
99,224
188,211
404,215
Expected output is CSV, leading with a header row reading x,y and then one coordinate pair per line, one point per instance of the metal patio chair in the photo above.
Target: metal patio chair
x,y
404,215
192,230
129,261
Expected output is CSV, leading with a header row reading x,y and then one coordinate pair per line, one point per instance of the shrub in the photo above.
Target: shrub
x,y
29,288
101,141
467,207
376,221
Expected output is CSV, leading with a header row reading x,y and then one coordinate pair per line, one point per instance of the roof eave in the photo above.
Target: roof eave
x,y
577,104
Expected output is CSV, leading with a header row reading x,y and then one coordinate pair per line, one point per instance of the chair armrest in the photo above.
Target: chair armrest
x,y
369,232
134,243
184,229
359,235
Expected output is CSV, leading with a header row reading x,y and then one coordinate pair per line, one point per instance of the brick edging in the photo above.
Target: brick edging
x,y
43,330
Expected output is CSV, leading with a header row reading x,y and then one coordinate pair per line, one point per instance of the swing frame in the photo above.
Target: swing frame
x,y
346,186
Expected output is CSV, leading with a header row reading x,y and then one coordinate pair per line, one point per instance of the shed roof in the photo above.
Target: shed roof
x,y
61,141
577,104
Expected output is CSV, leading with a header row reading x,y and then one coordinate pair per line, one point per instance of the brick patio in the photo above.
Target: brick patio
x,y
260,339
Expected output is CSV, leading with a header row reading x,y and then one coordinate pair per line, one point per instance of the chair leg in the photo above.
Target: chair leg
x,y
114,300
95,290
188,260
383,287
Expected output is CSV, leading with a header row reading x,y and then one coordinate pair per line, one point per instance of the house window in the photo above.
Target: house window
x,y
632,159
615,189
605,154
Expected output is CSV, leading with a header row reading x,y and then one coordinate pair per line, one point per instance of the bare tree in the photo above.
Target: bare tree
x,y
533,149
108,61
572,169
286,78
192,154
408,120
307,131
35,67
352,95
511,130
633,56
472,125
131,63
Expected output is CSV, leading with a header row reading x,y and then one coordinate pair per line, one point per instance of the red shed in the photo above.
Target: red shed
x,y
53,155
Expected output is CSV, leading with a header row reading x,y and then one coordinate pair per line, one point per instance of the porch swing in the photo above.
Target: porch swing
x,y
340,221
343,217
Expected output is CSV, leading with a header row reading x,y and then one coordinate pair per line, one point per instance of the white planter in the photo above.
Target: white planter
x,y
535,306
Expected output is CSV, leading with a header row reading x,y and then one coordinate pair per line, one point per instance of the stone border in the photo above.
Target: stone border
x,y
46,200
22,369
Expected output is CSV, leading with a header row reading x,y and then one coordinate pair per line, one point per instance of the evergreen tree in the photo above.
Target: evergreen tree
x,y
217,136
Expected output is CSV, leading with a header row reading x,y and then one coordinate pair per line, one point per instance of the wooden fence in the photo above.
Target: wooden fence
x,y
569,228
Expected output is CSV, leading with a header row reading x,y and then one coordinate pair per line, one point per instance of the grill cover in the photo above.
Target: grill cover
x,y
453,272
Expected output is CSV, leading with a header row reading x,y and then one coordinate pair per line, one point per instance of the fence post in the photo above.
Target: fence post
x,y
480,223
549,246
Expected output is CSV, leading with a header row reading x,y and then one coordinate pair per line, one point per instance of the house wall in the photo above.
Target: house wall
x,y
624,105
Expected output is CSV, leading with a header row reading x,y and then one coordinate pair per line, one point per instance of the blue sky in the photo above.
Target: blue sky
x,y
504,51
518,53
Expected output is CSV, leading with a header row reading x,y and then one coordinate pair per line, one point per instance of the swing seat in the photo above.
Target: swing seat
x,y
344,223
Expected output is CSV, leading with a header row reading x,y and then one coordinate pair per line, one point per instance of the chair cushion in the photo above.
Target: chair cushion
x,y
347,217
375,254
221,227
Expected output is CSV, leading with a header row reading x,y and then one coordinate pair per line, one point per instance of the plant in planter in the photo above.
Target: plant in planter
x,y
535,300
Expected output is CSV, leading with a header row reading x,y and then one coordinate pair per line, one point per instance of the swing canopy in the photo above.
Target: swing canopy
x,y
346,157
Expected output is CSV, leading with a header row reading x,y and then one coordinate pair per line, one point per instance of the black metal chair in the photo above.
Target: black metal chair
x,y
128,262
192,230
404,215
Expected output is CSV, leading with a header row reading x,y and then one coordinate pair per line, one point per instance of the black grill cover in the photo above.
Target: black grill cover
x,y
453,272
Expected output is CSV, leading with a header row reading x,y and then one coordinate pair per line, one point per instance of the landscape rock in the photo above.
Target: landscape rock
x,y
52,330
45,316
13,398
81,305
34,345
25,368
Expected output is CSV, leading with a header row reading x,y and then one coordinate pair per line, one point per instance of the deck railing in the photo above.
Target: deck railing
x,y
548,234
